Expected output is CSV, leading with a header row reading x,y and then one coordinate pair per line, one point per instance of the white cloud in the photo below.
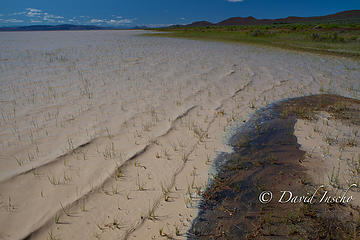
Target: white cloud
x,y
51,18
111,21
119,22
48,19
33,10
34,15
13,20
17,13
73,20
37,13
235,0
96,20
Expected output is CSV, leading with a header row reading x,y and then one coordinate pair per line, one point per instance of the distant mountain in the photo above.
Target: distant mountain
x,y
200,24
140,27
353,15
63,27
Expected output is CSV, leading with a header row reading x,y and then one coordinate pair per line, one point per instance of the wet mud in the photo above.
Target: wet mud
x,y
267,157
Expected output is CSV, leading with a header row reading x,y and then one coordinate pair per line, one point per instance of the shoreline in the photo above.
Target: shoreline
x,y
329,52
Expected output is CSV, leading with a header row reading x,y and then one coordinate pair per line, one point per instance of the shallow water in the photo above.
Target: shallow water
x,y
263,147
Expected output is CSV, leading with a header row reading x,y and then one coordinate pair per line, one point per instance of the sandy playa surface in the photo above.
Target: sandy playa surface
x,y
333,152
111,135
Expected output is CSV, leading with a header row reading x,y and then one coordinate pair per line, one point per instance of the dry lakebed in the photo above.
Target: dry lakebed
x,y
117,135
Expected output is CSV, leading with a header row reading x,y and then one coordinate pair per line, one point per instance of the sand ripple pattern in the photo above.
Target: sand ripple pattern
x,y
113,133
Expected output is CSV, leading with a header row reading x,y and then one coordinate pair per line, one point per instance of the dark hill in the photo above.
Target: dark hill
x,y
200,24
352,15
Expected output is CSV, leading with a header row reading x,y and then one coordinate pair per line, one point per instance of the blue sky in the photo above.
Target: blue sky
x,y
158,12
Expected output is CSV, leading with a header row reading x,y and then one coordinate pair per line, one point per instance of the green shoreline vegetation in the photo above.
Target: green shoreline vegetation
x,y
341,39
